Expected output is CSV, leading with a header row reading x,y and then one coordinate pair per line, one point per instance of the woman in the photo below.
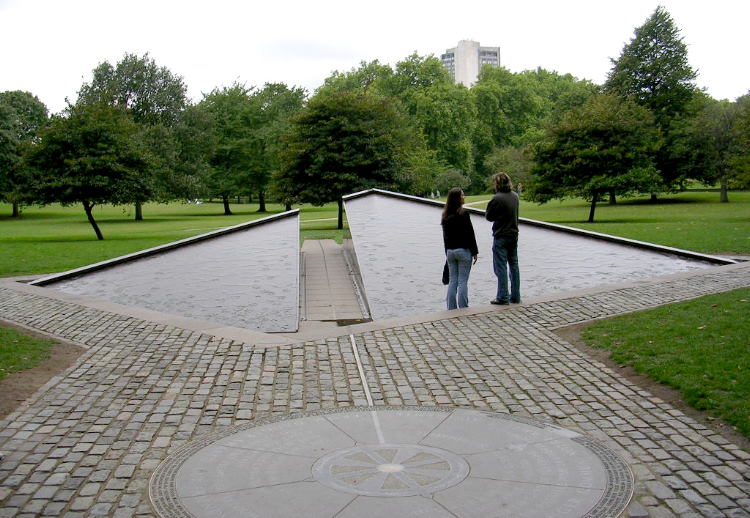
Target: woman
x,y
460,248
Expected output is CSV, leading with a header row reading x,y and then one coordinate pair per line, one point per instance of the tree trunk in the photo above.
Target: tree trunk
x,y
724,193
16,211
612,198
288,206
138,211
653,197
262,201
225,199
250,197
88,207
593,206
341,214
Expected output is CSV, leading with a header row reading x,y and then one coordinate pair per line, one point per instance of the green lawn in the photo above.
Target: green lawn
x,y
690,220
19,351
699,347
54,238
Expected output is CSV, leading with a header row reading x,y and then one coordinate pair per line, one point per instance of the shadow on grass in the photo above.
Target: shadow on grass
x,y
660,201
165,238
608,221
37,216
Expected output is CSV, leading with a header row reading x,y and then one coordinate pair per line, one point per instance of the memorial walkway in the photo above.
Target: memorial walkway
x,y
89,441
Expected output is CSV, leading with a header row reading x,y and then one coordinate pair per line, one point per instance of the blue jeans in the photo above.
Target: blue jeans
x,y
459,266
505,258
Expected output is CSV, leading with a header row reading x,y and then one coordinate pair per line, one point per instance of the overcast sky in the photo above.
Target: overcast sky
x,y
50,47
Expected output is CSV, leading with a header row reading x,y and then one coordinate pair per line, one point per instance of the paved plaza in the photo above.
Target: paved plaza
x,y
149,388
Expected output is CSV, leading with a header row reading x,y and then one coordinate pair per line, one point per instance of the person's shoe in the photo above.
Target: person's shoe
x,y
515,301
499,302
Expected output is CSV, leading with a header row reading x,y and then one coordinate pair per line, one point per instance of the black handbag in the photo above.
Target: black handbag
x,y
446,274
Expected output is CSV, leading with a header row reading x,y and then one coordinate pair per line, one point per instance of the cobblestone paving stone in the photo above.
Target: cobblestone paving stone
x,y
87,443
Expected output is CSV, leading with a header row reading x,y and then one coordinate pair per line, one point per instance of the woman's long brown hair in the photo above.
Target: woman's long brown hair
x,y
453,203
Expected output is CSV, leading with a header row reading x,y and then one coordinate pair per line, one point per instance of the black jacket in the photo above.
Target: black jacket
x,y
502,210
458,232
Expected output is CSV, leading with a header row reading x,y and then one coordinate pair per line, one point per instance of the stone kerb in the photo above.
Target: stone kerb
x,y
562,228
160,249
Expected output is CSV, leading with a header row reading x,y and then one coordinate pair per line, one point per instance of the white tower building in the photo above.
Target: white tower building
x,y
466,59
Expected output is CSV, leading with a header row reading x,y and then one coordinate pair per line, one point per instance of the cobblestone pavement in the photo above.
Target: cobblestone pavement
x,y
87,443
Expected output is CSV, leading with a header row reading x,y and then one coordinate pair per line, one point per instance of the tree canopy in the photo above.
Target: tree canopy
x,y
604,146
8,147
155,99
22,115
271,110
653,70
89,156
152,93
712,144
342,143
234,152
411,127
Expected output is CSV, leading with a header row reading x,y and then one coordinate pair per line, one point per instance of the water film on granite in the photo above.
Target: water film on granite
x,y
245,276
399,248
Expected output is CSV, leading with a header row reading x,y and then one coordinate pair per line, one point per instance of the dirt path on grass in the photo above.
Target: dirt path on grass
x,y
17,387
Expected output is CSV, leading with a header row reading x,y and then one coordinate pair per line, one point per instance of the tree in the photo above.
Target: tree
x,y
24,115
447,118
507,105
271,109
155,97
368,75
516,161
8,148
653,70
153,94
412,75
514,108
343,143
443,116
423,172
235,151
605,146
557,93
194,144
89,156
741,159
713,144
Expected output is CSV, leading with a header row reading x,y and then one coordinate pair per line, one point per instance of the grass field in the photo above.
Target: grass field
x,y
698,347
54,238
51,239
689,220
19,351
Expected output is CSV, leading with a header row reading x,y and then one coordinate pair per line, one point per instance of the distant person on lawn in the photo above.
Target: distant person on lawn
x,y
502,210
460,248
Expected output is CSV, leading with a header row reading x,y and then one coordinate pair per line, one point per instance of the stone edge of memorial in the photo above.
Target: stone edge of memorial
x,y
50,279
689,254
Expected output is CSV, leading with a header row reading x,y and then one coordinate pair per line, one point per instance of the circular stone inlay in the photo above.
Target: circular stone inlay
x,y
390,470
393,461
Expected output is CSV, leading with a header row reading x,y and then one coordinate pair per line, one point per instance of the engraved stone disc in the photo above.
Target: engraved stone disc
x,y
394,462
390,470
